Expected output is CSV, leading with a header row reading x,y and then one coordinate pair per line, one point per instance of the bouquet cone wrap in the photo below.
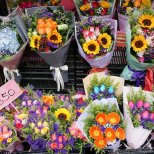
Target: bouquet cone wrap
x,y
110,16
135,136
80,122
87,80
103,61
123,22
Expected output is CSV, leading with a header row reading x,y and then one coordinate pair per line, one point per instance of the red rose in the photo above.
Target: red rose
x,y
104,12
91,12
85,1
80,100
95,4
19,125
25,5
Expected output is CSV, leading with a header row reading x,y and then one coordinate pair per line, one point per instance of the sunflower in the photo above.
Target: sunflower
x,y
63,114
35,41
110,134
146,21
91,47
48,100
113,118
95,132
105,40
104,4
139,43
54,37
100,143
101,118
85,7
120,133
146,3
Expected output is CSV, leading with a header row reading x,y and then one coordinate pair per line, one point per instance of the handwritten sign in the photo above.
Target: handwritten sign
x,y
8,93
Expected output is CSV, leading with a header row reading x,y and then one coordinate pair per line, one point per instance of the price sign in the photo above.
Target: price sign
x,y
8,93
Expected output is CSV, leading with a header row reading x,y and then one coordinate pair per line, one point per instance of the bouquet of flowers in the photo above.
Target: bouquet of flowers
x,y
96,40
127,7
140,43
96,8
102,124
98,86
50,33
12,46
139,114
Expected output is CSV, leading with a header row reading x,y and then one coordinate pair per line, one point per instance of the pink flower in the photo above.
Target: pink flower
x,y
60,139
146,105
97,32
53,137
60,146
53,145
151,116
85,34
131,105
141,59
145,114
139,104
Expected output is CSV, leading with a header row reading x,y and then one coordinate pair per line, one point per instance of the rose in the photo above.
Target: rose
x,y
145,114
19,125
131,105
139,104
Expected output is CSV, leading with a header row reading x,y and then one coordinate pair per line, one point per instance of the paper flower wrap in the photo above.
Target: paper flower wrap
x,y
55,52
11,49
100,61
135,136
99,126
102,9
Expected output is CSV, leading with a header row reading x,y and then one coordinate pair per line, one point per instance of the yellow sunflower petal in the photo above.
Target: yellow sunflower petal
x,y
55,37
105,40
63,114
85,7
34,41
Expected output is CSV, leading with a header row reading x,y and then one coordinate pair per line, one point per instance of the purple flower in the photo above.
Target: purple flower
x,y
151,116
39,93
71,141
55,127
52,45
39,144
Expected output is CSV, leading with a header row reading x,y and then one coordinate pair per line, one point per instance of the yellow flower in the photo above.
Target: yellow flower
x,y
22,116
55,37
146,21
125,4
105,40
32,125
44,130
146,3
91,47
139,43
63,114
35,41
104,4
85,7
39,124
9,140
128,9
45,124
36,130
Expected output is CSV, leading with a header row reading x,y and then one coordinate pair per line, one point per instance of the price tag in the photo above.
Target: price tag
x,y
8,93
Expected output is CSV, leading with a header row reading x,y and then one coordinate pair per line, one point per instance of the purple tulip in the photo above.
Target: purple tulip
x,y
145,114
131,105
151,116
139,104
146,105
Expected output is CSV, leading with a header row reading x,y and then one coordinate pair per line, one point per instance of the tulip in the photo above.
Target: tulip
x,y
131,105
139,104
145,114
146,105
44,130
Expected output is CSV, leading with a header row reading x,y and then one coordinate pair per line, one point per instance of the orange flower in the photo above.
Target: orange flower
x,y
113,118
100,143
120,133
1,139
48,100
101,118
110,134
95,132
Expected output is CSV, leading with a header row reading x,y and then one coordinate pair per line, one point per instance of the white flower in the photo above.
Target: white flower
x,y
149,39
63,27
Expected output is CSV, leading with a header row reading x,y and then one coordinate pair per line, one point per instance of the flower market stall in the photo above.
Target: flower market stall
x,y
77,77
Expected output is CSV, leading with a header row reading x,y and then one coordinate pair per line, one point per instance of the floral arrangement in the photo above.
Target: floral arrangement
x,y
128,6
49,30
141,110
95,7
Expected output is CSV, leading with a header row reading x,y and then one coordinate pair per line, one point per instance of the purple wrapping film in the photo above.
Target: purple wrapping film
x,y
123,22
103,61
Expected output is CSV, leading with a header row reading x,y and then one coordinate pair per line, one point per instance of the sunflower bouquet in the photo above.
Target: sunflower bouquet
x,y
127,7
102,124
139,113
97,8
140,43
96,40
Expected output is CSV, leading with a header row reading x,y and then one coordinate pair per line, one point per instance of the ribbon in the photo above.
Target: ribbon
x,y
10,74
58,77
96,70
137,76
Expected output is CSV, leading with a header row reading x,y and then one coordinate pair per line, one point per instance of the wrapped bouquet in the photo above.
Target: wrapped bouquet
x,y
140,44
139,114
50,33
95,8
102,124
96,40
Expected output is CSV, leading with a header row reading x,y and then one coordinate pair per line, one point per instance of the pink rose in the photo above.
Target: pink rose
x,y
131,105
139,104
151,116
146,105
145,114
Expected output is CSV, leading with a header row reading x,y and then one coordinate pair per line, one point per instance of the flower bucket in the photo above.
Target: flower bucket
x,y
135,137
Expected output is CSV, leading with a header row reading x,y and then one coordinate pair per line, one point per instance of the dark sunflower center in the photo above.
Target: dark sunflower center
x,y
104,41
54,37
62,116
139,44
36,42
92,47
146,22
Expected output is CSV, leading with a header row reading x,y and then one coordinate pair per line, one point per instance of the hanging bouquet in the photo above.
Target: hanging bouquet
x,y
102,124
96,40
139,114
127,7
140,44
97,8
50,33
